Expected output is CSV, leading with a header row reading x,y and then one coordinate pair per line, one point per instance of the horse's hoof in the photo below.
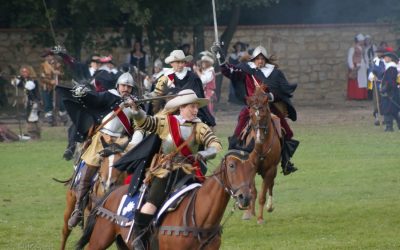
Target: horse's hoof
x,y
260,221
270,209
246,216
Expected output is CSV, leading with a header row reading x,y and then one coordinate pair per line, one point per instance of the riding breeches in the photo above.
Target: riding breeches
x,y
161,187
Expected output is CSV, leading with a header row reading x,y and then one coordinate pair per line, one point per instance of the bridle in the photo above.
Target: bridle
x,y
223,180
110,154
262,125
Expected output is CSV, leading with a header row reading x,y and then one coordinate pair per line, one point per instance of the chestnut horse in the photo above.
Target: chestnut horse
x,y
107,178
266,153
195,224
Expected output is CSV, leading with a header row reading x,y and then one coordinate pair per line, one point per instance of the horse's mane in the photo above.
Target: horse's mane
x,y
243,155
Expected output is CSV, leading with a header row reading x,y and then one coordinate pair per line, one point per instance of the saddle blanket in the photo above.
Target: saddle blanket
x,y
129,204
78,176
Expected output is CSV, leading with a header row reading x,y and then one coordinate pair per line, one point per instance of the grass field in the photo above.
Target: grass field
x,y
345,195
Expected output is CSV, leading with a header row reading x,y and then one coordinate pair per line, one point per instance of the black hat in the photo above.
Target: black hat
x,y
392,55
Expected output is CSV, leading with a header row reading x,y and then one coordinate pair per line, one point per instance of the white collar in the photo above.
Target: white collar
x,y
182,121
180,75
266,70
209,69
105,67
114,92
390,64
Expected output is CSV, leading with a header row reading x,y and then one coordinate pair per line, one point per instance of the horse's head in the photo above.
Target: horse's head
x,y
237,176
108,175
260,114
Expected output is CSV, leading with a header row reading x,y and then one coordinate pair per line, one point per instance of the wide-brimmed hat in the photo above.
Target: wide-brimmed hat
x,y
260,50
188,96
207,58
392,55
178,55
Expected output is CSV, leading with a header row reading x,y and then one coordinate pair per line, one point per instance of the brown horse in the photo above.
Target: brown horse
x,y
266,153
108,177
195,224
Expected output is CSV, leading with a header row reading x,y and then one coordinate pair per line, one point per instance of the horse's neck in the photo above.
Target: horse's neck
x,y
260,147
211,202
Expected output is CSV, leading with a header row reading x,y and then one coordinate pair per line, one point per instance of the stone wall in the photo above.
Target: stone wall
x,y
314,56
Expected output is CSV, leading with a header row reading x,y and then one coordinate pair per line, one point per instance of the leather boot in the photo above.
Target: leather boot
x,y
83,187
389,123
140,230
288,149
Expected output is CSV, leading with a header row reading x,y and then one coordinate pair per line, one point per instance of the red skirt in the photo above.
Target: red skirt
x,y
354,92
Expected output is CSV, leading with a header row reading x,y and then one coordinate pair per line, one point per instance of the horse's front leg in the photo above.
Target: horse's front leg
x,y
270,206
251,211
261,200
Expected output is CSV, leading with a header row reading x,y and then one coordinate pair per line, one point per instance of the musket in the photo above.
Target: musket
x,y
123,105
158,98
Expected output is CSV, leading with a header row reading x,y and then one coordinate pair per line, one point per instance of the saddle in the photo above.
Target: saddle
x,y
130,204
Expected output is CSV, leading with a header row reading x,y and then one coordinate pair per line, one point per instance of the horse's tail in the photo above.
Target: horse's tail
x,y
65,182
87,232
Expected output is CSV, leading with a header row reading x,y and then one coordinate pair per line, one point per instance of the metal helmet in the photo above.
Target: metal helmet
x,y
125,79
257,51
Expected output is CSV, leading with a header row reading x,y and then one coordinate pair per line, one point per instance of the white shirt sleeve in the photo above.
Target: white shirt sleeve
x,y
350,54
136,138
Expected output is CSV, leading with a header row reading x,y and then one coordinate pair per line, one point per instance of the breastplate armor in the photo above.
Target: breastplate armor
x,y
115,127
168,145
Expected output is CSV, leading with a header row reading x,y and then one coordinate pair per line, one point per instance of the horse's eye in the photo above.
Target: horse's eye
x,y
231,166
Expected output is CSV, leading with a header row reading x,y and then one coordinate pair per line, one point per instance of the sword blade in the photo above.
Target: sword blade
x,y
215,23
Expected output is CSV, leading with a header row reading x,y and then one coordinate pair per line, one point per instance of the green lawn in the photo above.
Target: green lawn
x,y
345,195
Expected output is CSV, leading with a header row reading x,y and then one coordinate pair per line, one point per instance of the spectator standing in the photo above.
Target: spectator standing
x,y
357,76
137,57
51,74
207,76
27,81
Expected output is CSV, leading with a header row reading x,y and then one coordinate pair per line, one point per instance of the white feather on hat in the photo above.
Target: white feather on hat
x,y
188,96
178,55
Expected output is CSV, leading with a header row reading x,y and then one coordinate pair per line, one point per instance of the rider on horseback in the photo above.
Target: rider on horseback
x,y
182,133
116,127
262,70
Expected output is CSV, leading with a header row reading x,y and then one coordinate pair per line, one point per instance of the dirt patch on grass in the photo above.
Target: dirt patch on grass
x,y
345,112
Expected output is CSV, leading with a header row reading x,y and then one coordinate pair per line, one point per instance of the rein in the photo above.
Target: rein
x,y
262,155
